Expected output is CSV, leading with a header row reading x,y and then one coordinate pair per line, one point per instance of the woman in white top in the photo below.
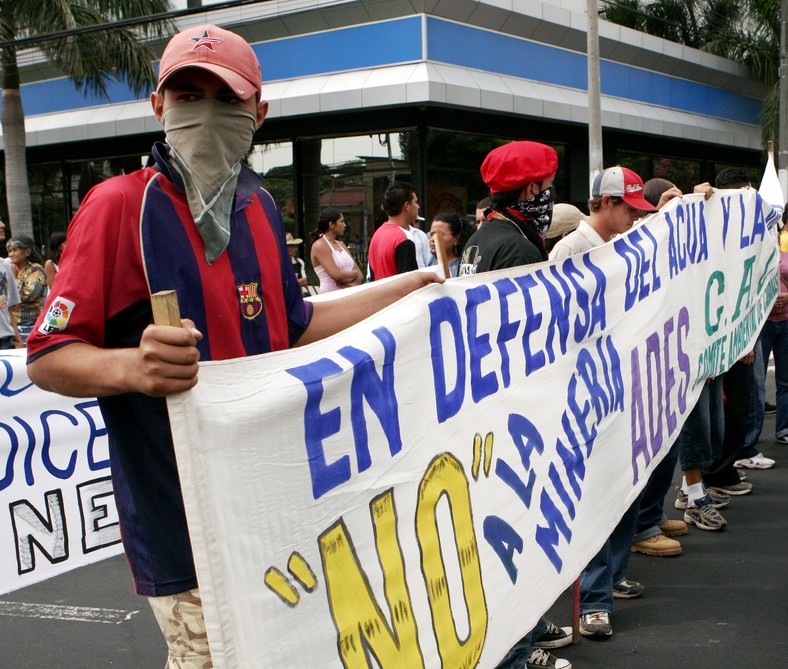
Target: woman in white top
x,y
332,261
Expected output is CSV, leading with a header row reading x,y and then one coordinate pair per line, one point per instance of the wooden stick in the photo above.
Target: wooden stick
x,y
440,254
165,308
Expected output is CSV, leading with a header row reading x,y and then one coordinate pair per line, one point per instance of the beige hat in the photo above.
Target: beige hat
x,y
566,217
292,241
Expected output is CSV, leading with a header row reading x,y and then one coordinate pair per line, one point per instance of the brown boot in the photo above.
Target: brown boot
x,y
673,528
659,546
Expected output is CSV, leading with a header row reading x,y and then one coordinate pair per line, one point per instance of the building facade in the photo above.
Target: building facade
x,y
362,91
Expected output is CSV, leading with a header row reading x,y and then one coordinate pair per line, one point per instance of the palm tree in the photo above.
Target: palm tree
x,y
690,22
754,40
746,31
90,59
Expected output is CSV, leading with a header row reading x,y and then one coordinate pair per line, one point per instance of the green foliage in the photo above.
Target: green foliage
x,y
90,59
746,31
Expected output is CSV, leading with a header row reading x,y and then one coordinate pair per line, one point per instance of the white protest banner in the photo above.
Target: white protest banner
x,y
57,511
417,490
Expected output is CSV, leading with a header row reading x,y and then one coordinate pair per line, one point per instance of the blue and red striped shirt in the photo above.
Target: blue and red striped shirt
x,y
132,236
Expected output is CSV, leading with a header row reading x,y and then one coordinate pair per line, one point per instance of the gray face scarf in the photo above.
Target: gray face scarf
x,y
208,139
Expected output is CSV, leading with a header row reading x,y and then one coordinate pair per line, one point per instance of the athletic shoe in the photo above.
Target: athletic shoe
x,y
628,589
554,637
658,546
596,624
759,461
768,407
782,440
742,475
704,516
718,499
673,528
541,659
740,488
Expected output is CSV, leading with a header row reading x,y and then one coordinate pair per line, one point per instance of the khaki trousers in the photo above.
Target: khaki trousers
x,y
181,620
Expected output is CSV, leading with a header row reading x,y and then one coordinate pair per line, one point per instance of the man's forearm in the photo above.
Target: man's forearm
x,y
164,363
82,370
333,316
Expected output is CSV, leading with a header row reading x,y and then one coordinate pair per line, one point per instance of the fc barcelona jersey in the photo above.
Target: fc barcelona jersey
x,y
132,236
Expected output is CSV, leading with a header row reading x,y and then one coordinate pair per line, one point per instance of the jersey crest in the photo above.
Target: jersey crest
x,y
251,304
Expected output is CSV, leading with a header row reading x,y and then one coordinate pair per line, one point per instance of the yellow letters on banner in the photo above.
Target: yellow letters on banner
x,y
358,618
446,477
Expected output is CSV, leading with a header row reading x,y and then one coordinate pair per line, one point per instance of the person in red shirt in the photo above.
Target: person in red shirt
x,y
391,250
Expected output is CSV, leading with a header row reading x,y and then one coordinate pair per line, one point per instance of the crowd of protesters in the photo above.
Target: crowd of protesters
x,y
107,347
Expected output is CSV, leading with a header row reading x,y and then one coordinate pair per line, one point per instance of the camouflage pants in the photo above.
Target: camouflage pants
x,y
181,621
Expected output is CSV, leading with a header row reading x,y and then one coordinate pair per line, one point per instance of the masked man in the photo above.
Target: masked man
x,y
198,222
520,177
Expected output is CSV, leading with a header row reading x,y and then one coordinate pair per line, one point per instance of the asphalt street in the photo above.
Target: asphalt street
x,y
722,603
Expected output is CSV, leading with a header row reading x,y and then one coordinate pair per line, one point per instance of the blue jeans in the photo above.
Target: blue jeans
x,y
652,499
774,337
606,568
521,651
757,378
703,433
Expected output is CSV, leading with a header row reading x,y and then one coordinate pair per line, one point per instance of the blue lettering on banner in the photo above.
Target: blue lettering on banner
x,y
5,388
595,391
479,347
448,403
319,425
748,230
639,251
463,354
22,432
688,242
505,541
508,329
379,394
365,385
533,320
591,314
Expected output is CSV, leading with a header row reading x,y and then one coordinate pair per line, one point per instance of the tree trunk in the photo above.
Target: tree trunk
x,y
17,187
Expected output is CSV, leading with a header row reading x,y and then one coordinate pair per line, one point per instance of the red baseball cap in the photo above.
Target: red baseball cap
x,y
517,164
218,51
624,183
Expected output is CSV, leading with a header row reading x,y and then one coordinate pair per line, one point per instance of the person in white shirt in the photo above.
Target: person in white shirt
x,y
422,243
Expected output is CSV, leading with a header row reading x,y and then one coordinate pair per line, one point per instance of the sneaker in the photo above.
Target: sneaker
x,y
596,624
673,528
554,637
742,475
718,500
658,546
768,407
740,488
704,516
628,589
782,440
541,659
759,461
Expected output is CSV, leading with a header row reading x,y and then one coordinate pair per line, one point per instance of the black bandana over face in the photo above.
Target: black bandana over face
x,y
535,212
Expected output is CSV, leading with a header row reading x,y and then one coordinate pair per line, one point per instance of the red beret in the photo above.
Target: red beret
x,y
516,164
